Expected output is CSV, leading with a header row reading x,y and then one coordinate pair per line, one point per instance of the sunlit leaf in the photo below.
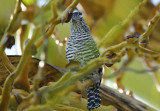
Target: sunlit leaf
x,y
29,2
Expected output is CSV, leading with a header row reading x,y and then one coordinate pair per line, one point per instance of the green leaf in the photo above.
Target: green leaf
x,y
29,2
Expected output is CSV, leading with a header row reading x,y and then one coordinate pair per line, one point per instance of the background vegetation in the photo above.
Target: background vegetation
x,y
125,31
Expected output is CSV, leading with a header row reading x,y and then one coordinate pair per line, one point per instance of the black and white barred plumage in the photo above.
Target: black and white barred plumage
x,y
82,48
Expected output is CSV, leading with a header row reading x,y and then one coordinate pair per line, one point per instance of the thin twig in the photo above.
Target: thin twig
x,y
39,75
145,36
7,63
22,81
131,70
115,48
55,15
12,21
56,22
8,82
120,25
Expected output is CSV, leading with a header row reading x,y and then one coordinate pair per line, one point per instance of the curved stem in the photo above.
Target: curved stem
x,y
8,82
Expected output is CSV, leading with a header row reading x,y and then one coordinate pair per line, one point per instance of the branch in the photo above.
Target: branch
x,y
58,21
115,48
144,38
120,25
8,82
7,31
118,72
9,66
60,88
121,101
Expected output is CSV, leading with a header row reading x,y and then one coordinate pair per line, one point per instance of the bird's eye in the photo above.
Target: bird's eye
x,y
80,13
77,13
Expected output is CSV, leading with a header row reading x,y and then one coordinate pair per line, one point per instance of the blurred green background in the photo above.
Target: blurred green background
x,y
101,16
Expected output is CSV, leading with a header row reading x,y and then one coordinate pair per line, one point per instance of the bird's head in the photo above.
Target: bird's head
x,y
78,23
76,16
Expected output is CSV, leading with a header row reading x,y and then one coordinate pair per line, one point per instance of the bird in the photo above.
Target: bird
x,y
82,48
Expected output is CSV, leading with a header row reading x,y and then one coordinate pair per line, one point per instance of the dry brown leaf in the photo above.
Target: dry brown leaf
x,y
51,73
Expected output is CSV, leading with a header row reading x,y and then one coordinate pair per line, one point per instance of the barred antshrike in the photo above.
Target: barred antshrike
x,y
82,48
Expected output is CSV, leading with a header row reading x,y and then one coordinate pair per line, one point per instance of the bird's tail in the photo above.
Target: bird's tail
x,y
94,99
